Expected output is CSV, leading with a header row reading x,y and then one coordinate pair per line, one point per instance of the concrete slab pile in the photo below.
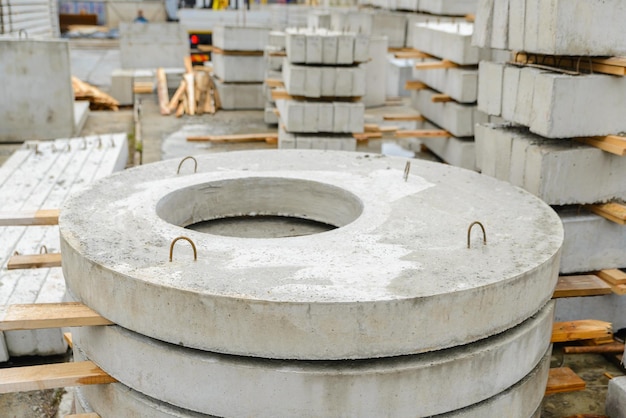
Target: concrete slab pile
x,y
274,57
361,314
240,72
435,7
36,104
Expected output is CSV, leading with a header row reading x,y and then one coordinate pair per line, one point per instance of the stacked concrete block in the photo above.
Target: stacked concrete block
x,y
274,56
323,76
399,71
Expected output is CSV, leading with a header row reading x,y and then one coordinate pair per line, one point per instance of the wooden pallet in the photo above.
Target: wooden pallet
x,y
580,330
574,64
614,212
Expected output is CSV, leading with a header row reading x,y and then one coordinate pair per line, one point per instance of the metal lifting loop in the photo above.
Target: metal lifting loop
x,y
195,167
407,170
469,233
43,250
22,31
193,246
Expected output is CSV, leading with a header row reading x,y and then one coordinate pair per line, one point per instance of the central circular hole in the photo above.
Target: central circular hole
x,y
260,207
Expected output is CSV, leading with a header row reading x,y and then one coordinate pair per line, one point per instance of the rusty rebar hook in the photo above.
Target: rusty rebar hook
x,y
469,233
195,167
193,246
407,170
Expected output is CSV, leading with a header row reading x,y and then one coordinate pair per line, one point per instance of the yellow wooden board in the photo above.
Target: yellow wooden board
x,y
563,379
580,330
612,276
18,262
50,315
38,217
584,285
614,212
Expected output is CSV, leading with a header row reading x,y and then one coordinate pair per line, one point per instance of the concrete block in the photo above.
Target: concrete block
x,y
314,48
286,140
239,96
399,71
490,76
591,242
122,86
292,114
341,120
329,50
517,14
239,68
310,116
345,48
525,95
392,25
358,81
451,41
240,38
295,45
449,7
483,24
273,62
294,77
313,82
269,116
459,83
414,18
458,119
351,21
318,20
343,81
325,117
357,117
616,398
35,104
458,152
557,171
376,73
328,81
277,39
361,47
511,77
500,25
138,41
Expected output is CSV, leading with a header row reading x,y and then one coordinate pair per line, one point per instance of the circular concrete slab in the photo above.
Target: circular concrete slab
x,y
395,278
225,385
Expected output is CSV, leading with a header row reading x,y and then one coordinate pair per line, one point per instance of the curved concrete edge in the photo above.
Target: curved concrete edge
x,y
225,385
522,400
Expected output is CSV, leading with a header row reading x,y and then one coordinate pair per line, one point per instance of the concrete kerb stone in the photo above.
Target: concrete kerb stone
x,y
458,152
448,7
239,68
490,81
451,41
241,38
293,330
616,397
240,96
461,84
409,386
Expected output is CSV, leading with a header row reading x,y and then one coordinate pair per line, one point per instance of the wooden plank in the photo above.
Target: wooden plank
x,y
263,136
403,117
50,315
471,17
188,64
584,285
612,276
611,143
435,65
423,133
162,92
191,96
29,218
414,85
274,82
52,376
613,348
580,330
173,105
614,212
440,98
216,50
29,261
411,54
389,128
613,66
371,127
67,336
89,415
563,379
279,94
366,136
143,87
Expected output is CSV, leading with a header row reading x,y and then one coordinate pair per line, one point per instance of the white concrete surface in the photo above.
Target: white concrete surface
x,y
591,242
557,171
239,68
330,117
376,73
323,81
392,25
240,96
240,38
248,315
36,104
152,45
277,39
448,7
451,41
459,83
456,118
321,46
414,18
409,386
399,71
122,86
616,397
490,81
458,152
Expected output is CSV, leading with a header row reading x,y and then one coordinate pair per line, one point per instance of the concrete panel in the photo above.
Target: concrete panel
x,y
459,83
414,18
308,117
616,397
451,41
483,24
152,45
458,152
239,68
398,73
591,242
522,284
490,87
37,100
392,25
458,119
500,29
517,16
317,81
376,73
236,96
449,7
240,38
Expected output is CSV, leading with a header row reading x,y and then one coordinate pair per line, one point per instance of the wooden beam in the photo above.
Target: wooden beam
x,y
366,136
19,262
162,92
174,102
563,379
584,285
612,65
470,17
188,64
612,276
50,315
191,95
215,50
436,65
410,53
52,376
143,87
67,336
29,218
613,348
263,136
88,415
414,85
614,212
274,82
279,94
580,330
423,133
611,143
403,117
440,98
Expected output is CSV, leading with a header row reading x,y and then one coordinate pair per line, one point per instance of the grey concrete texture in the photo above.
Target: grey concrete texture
x,y
321,46
240,96
240,38
399,71
324,81
409,386
328,117
288,140
457,118
591,242
375,23
35,104
459,152
245,311
555,170
461,83
616,398
414,18
239,68
138,43
451,41
376,72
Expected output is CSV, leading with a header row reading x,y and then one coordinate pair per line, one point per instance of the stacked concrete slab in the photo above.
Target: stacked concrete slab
x,y
239,65
274,57
323,74
544,110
